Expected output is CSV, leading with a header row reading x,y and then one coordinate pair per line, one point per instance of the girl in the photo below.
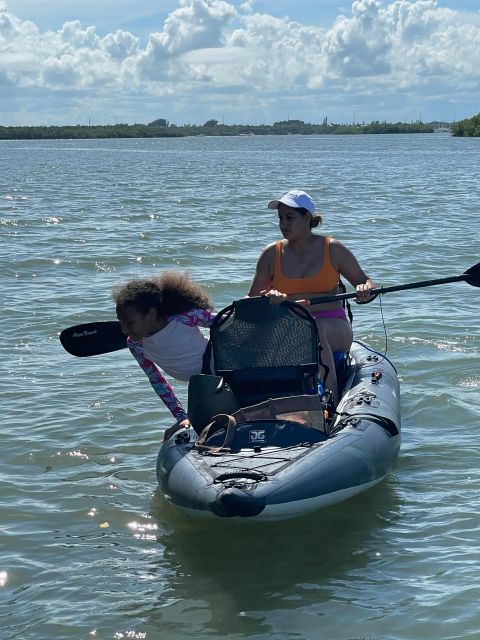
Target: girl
x,y
161,317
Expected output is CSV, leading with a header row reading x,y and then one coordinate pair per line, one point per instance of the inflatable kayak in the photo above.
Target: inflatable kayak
x,y
276,453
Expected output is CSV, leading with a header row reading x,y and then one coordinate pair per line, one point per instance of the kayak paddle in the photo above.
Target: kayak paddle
x,y
93,338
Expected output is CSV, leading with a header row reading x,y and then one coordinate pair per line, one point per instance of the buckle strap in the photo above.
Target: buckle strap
x,y
220,421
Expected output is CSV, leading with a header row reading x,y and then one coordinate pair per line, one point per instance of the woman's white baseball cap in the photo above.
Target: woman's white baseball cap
x,y
295,199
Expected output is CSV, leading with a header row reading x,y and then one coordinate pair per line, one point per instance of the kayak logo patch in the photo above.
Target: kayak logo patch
x,y
257,436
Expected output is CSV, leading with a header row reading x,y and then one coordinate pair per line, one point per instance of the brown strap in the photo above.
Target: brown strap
x,y
221,421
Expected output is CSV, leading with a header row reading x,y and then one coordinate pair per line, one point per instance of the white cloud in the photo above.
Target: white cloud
x,y
120,45
247,5
211,47
198,24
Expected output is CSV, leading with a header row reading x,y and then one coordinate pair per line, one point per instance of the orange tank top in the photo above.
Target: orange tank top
x,y
322,282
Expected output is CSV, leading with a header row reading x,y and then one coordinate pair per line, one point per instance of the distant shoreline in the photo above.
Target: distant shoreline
x,y
163,129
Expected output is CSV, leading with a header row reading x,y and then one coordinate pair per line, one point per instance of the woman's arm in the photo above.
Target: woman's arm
x,y
262,280
159,383
347,265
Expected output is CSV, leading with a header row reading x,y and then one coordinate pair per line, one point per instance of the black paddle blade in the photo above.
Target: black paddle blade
x,y
93,338
472,275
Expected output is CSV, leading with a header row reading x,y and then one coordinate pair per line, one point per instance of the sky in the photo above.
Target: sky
x,y
238,61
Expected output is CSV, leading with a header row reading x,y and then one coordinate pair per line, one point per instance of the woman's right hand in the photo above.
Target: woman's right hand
x,y
275,297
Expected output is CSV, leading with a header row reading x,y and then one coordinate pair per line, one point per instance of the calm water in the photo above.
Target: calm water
x,y
88,547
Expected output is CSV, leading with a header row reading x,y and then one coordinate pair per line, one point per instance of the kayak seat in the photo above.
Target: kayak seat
x,y
265,351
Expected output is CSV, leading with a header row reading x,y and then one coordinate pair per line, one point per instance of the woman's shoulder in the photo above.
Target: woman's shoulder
x,y
339,252
272,245
319,242
269,250
335,244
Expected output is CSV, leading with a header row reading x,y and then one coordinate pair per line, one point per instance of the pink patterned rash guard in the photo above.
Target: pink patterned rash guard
x,y
178,349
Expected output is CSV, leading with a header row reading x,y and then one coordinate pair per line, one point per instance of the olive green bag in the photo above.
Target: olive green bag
x,y
209,396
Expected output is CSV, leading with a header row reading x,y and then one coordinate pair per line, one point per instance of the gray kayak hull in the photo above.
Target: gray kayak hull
x,y
295,469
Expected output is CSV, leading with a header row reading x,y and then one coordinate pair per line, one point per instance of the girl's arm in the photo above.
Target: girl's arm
x,y
159,383
194,318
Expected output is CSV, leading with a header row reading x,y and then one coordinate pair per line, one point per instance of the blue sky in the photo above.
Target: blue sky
x,y
250,61
143,16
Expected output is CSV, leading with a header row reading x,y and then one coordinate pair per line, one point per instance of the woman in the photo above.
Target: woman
x,y
161,317
304,265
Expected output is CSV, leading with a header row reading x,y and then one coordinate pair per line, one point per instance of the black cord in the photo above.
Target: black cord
x,y
369,348
384,326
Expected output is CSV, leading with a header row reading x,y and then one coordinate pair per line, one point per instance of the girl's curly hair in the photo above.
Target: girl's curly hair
x,y
170,293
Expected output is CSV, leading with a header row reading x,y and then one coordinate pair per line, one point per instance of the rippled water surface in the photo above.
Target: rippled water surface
x,y
88,547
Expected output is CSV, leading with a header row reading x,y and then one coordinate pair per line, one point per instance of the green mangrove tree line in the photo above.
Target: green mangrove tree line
x,y
161,128
468,127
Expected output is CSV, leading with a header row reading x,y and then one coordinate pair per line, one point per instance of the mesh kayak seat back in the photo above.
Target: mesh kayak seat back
x,y
265,351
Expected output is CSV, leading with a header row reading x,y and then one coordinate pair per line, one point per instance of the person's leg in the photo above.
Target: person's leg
x,y
335,334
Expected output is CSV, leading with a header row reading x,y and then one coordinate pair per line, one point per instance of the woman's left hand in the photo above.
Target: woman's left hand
x,y
274,296
364,292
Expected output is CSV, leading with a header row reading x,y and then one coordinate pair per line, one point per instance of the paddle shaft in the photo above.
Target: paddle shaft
x,y
397,287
